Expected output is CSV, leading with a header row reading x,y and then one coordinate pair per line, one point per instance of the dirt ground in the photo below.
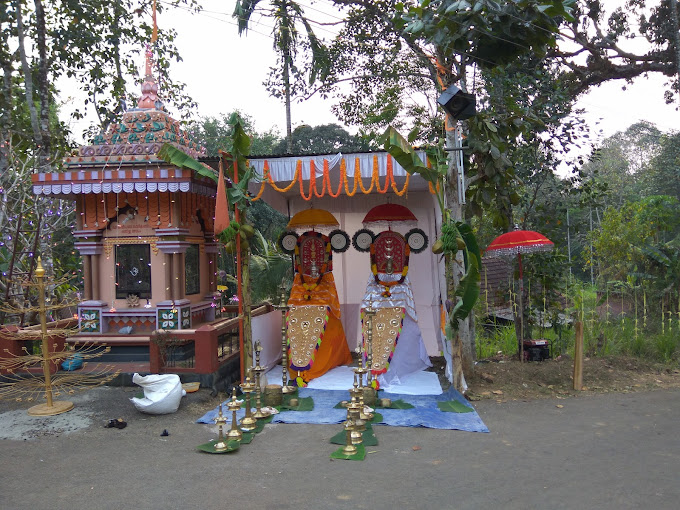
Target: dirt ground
x,y
505,379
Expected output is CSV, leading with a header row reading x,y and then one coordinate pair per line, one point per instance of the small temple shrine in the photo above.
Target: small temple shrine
x,y
144,227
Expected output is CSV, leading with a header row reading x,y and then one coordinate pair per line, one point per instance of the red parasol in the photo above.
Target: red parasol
x,y
515,243
518,242
389,213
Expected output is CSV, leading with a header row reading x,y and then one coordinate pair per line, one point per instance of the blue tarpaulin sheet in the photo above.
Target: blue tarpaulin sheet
x,y
424,414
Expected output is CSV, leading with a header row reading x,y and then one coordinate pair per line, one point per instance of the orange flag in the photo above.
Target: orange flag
x,y
221,205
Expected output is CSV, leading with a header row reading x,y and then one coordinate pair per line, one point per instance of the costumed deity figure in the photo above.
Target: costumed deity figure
x,y
316,338
397,347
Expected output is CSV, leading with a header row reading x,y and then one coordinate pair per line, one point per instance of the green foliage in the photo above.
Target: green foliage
x,y
175,156
456,235
644,223
324,139
269,221
400,149
499,339
215,135
618,170
471,28
662,174
468,287
287,78
602,30
99,43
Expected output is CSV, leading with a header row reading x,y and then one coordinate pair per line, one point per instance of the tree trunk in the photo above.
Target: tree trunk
x,y
676,34
461,345
286,86
247,305
28,78
5,109
45,150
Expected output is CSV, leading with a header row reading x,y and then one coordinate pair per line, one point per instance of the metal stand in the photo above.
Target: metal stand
x,y
369,313
233,405
221,444
283,306
259,412
248,423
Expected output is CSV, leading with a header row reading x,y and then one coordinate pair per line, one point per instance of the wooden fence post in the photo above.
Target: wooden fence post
x,y
578,356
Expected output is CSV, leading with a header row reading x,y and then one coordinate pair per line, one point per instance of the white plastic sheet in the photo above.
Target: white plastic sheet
x,y
162,393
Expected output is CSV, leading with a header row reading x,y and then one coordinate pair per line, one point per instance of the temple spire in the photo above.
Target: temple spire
x,y
149,98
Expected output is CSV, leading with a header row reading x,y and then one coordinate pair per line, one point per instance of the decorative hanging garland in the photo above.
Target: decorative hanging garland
x,y
390,174
326,186
388,285
327,179
357,176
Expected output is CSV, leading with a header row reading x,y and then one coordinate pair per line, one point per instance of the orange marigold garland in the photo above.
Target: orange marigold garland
x,y
327,179
373,177
312,171
357,176
388,175
312,185
268,177
390,178
343,182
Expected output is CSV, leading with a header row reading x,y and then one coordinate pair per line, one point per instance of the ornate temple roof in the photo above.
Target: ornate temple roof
x,y
125,158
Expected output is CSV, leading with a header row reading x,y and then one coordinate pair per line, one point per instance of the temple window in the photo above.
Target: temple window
x,y
133,271
191,270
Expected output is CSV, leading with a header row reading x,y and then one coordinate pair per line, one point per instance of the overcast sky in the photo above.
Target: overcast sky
x,y
224,71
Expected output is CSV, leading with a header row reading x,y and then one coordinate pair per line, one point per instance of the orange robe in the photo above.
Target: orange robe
x,y
333,350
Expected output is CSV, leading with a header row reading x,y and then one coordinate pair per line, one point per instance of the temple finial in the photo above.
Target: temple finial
x,y
149,98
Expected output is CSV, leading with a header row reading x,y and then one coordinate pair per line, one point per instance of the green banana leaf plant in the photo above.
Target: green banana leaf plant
x,y
175,156
456,235
238,197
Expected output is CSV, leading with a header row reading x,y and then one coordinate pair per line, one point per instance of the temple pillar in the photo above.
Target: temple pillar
x,y
175,312
182,276
90,310
168,275
87,277
176,276
90,247
96,293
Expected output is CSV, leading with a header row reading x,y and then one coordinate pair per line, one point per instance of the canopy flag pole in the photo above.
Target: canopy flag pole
x,y
154,34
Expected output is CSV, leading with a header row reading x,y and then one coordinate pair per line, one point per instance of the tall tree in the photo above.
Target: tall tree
x,y
324,139
288,78
392,51
662,175
91,43
600,49
216,133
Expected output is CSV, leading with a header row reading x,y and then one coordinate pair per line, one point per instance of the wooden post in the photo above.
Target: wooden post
x,y
578,356
239,284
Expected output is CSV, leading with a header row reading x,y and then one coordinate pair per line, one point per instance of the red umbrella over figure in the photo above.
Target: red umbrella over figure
x,y
514,243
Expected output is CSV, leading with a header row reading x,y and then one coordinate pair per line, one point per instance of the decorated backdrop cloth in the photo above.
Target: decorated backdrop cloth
x,y
410,354
332,350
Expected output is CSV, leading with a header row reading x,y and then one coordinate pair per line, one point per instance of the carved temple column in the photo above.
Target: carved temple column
x,y
90,310
167,257
175,311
